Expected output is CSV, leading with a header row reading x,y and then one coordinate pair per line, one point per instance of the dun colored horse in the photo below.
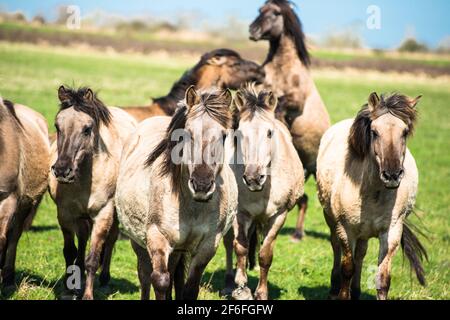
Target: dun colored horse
x,y
85,162
176,203
221,68
367,181
288,76
25,157
270,182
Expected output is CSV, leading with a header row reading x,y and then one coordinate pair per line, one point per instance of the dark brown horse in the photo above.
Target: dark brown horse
x,y
221,68
288,76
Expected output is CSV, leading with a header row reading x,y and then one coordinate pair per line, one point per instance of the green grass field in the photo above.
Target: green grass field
x,y
31,75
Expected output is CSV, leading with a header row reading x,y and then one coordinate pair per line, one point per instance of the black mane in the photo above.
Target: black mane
x,y
293,28
94,107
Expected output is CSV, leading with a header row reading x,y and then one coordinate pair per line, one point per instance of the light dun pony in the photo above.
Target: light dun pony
x,y
270,182
85,162
367,182
176,211
288,76
25,156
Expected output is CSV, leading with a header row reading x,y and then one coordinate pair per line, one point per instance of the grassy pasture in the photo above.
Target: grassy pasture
x,y
31,75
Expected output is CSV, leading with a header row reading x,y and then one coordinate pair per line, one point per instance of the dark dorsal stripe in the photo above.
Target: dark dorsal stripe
x,y
10,107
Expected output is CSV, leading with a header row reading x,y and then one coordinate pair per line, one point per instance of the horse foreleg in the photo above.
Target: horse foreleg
x,y
144,268
360,253
105,275
205,252
159,249
229,274
83,229
8,207
9,236
241,244
266,255
299,232
336,246
102,226
347,264
389,242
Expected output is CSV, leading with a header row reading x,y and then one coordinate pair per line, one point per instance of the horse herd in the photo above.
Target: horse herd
x,y
199,166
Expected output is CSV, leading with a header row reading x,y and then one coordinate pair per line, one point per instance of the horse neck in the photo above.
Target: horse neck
x,y
9,134
283,59
283,51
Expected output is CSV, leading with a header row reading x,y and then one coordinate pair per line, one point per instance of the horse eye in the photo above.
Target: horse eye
x,y
269,134
405,133
374,134
87,131
56,127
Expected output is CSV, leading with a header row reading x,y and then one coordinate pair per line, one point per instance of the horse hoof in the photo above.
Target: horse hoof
x,y
226,292
242,293
297,236
8,280
88,297
261,296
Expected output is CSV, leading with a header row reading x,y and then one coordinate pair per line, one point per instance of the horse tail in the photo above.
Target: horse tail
x,y
414,250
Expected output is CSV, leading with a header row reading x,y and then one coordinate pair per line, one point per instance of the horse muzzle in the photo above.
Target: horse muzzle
x,y
64,175
391,179
202,190
254,183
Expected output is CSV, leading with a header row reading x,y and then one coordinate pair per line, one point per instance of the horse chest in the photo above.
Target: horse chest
x,y
371,215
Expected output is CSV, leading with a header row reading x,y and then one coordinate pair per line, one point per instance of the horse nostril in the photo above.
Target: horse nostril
x,y
261,177
67,172
386,175
400,173
244,177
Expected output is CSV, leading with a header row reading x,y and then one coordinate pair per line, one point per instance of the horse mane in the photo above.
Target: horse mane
x,y
396,104
95,108
212,103
9,106
254,103
293,28
169,103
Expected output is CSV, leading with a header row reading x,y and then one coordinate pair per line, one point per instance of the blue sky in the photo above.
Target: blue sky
x,y
426,19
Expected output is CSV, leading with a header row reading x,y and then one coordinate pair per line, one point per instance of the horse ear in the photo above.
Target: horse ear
x,y
415,101
373,101
62,94
228,97
191,97
271,101
89,95
239,100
